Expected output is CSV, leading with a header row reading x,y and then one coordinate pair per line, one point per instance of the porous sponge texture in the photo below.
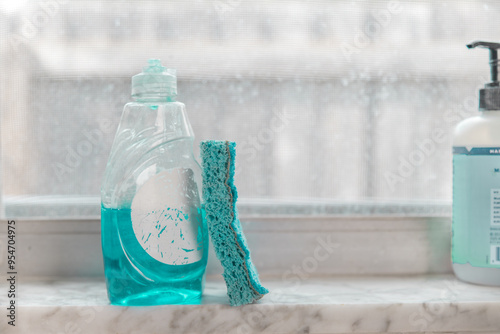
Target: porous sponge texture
x,y
219,197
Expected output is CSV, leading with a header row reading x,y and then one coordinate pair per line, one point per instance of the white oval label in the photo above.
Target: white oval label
x,y
166,217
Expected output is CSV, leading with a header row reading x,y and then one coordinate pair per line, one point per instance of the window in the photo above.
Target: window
x,y
328,101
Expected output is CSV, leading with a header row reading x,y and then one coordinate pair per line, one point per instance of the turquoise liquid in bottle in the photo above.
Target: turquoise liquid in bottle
x,y
133,277
154,236
476,185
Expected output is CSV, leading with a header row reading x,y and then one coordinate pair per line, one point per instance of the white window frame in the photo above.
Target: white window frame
x,y
363,238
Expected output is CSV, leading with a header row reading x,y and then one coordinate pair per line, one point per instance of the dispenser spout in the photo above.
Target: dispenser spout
x,y
493,47
489,96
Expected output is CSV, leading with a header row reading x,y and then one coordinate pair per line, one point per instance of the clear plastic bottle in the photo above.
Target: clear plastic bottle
x,y
154,236
476,186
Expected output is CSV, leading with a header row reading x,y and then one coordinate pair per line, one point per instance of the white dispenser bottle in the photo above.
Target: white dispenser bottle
x,y
476,186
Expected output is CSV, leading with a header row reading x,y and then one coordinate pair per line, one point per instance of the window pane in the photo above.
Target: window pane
x,y
331,100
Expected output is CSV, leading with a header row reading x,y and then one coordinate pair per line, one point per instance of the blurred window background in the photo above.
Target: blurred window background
x,y
328,101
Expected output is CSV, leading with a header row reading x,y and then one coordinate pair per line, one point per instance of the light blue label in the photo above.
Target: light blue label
x,y
476,206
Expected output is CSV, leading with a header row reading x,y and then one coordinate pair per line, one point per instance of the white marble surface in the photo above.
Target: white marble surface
x,y
439,304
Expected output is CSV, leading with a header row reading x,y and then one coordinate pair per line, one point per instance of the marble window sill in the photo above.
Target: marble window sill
x,y
430,304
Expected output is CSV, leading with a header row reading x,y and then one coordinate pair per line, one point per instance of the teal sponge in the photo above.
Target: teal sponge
x,y
219,197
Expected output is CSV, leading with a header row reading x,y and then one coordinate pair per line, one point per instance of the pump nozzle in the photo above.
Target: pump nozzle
x,y
489,96
493,47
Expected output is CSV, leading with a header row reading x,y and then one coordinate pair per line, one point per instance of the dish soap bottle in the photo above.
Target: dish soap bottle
x,y
154,236
476,186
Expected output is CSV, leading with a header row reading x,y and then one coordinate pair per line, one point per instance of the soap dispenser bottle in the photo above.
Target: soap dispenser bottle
x,y
154,236
476,186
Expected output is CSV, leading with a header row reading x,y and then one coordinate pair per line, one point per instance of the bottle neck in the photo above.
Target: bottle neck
x,y
154,98
490,113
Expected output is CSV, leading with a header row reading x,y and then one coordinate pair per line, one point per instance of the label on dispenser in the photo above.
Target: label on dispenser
x,y
476,206
166,217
